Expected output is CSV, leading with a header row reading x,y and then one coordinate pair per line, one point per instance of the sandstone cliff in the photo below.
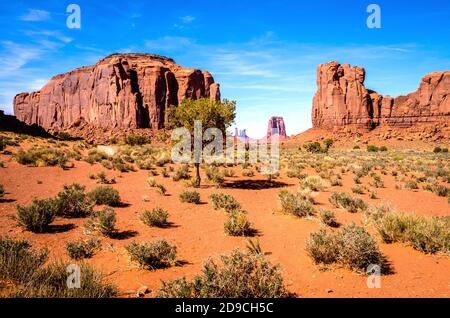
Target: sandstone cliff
x,y
343,100
119,91
276,124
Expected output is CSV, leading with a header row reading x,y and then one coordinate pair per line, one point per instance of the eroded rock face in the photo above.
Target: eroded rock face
x,y
119,91
342,99
276,124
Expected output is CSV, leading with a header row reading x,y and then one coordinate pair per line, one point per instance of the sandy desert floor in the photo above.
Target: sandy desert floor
x,y
198,232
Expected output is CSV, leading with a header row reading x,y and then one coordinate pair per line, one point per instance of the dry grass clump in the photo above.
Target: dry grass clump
x,y
42,157
105,195
328,218
238,224
238,275
24,268
352,247
224,201
156,217
182,173
315,183
428,235
103,222
190,197
73,201
37,216
344,201
154,255
295,203
82,248
214,175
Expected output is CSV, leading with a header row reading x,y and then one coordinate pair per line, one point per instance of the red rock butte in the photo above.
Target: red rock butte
x,y
343,100
119,91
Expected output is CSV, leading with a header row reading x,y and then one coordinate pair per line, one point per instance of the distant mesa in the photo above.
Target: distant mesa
x,y
343,100
124,91
276,126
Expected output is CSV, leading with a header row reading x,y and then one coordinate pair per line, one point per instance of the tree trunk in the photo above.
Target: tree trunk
x,y
197,175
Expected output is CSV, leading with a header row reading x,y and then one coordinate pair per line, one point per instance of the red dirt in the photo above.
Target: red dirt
x,y
198,232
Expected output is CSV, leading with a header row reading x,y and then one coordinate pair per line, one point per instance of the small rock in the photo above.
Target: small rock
x,y
328,290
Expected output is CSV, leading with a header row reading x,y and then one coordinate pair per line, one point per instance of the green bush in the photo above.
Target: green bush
x,y
224,201
328,218
103,222
41,157
158,254
238,224
190,197
156,217
352,247
313,147
38,216
344,201
372,148
295,204
411,184
73,201
239,275
105,195
82,249
134,140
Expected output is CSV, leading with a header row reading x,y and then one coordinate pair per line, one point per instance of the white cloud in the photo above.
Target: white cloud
x,y
49,34
34,15
187,19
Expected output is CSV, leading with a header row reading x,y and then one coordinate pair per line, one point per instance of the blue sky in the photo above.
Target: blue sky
x,y
264,53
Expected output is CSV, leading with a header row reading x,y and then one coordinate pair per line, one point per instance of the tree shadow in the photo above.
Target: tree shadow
x,y
121,205
60,228
123,235
7,200
254,184
386,266
181,263
168,225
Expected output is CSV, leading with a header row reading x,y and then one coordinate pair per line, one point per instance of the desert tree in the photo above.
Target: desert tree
x,y
211,114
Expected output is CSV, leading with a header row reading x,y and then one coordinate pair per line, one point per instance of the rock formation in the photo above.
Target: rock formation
x,y
342,99
276,125
119,91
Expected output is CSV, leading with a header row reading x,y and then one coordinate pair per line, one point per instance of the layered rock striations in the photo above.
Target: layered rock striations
x,y
119,91
343,100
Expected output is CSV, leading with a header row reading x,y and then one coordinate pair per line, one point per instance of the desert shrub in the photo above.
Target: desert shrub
x,y
383,148
164,173
161,189
295,204
41,157
190,197
152,182
238,224
182,173
356,147
426,235
344,201
37,216
96,155
134,140
328,218
315,183
51,282
358,190
103,222
82,249
247,172
437,149
239,275
445,150
156,217
229,173
377,182
214,175
372,148
313,147
352,247
145,164
336,182
225,202
105,195
158,254
411,184
18,261
73,201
